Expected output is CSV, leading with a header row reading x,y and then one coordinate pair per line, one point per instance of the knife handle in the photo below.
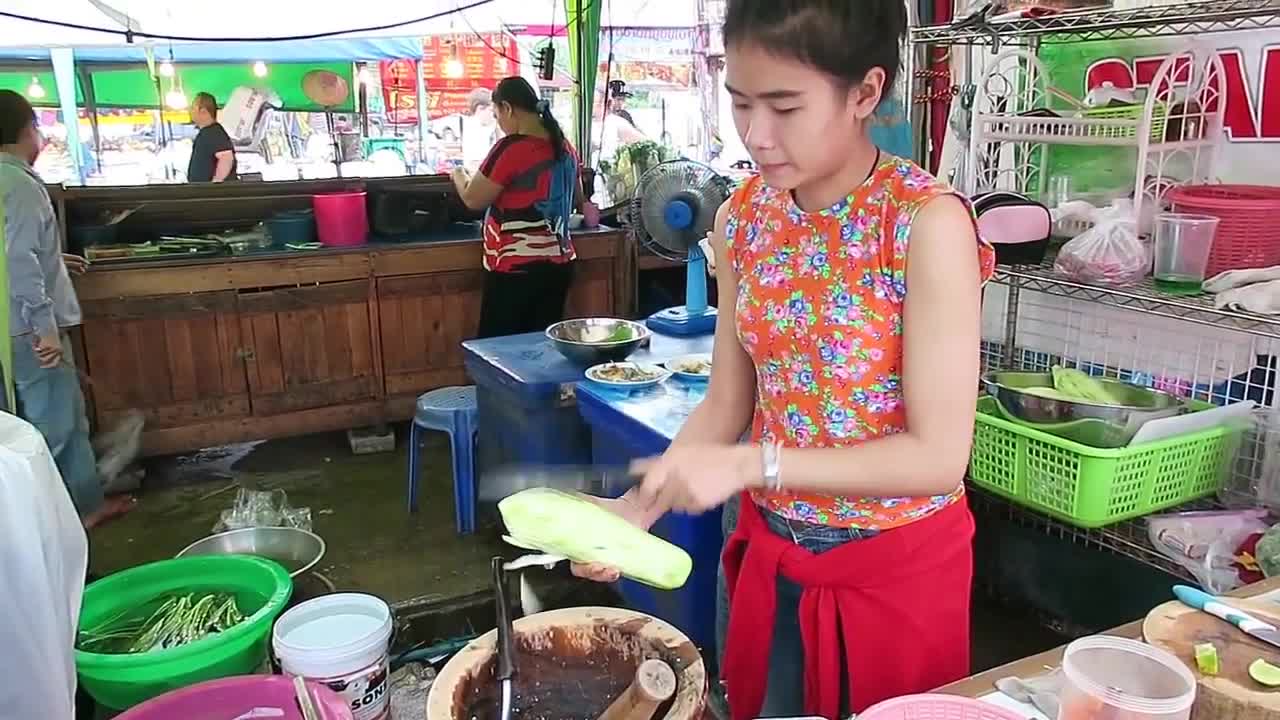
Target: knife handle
x,y
1200,600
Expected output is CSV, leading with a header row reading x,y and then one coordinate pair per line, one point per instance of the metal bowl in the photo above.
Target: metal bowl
x,y
297,550
1095,425
574,340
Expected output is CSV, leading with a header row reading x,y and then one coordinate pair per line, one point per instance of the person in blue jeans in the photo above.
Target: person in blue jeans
x,y
42,303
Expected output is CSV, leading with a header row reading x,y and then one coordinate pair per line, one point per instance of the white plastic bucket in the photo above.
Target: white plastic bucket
x,y
340,640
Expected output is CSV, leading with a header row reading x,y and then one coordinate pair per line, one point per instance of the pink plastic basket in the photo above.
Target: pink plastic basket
x,y
937,707
236,696
341,219
1248,234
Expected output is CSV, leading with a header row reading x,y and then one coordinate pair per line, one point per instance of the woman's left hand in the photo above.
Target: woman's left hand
x,y
460,177
695,478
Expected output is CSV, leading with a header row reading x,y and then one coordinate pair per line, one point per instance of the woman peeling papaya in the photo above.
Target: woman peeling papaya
x,y
850,287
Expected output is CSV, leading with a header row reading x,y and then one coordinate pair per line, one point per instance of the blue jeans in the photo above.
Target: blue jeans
x,y
51,400
784,696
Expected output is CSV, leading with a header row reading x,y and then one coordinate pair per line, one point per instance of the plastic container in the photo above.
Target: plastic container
x,y
1091,487
936,707
293,227
341,219
1107,676
262,588
1248,235
341,641
236,697
1183,244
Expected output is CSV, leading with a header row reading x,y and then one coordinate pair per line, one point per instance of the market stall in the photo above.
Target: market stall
x,y
242,338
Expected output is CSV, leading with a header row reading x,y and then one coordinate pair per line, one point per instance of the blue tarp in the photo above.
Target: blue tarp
x,y
308,51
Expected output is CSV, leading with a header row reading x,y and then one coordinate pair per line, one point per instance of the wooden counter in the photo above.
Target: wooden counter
x,y
233,349
1036,665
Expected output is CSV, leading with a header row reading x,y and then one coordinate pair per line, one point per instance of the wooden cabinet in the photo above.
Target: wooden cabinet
x,y
175,358
424,319
309,347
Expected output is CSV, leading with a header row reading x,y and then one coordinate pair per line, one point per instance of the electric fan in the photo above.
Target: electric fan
x,y
673,208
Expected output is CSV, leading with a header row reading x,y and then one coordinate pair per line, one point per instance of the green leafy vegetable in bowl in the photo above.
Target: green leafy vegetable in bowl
x,y
166,622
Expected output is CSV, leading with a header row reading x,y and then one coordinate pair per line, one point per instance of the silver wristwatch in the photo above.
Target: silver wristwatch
x,y
771,458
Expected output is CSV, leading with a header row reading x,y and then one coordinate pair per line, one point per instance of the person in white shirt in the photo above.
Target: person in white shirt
x,y
43,559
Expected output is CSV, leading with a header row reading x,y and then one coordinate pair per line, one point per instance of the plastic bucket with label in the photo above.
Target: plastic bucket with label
x,y
341,641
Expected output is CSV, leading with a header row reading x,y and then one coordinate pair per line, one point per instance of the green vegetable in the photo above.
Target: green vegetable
x,y
571,525
1207,659
1265,673
164,622
1267,551
1048,392
1081,386
622,333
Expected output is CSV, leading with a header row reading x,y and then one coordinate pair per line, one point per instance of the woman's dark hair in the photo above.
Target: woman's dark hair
x,y
16,115
842,38
519,94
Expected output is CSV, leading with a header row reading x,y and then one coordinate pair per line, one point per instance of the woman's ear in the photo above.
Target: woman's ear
x,y
865,96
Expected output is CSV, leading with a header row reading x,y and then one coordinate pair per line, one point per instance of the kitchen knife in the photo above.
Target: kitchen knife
x,y
590,479
1200,600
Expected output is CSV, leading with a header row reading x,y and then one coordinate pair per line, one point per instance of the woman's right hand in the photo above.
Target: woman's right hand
x,y
627,509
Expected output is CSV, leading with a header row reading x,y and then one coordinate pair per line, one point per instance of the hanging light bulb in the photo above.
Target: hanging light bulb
x,y
35,90
453,66
166,68
260,69
364,76
176,99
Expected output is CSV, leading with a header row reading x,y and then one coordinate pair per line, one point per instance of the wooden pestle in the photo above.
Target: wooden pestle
x,y
654,684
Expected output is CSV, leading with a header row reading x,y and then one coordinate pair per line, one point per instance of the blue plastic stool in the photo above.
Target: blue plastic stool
x,y
451,410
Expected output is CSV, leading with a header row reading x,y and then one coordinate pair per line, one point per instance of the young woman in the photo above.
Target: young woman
x,y
529,183
851,354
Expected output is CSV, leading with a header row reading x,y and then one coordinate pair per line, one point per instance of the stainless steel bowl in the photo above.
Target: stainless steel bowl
x,y
575,340
297,550
1095,425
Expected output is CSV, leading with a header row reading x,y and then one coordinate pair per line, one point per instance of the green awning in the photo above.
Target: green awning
x,y
132,87
583,21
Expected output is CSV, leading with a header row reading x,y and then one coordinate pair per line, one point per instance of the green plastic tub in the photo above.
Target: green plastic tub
x,y
262,588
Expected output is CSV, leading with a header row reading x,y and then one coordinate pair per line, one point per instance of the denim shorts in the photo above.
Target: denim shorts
x,y
784,696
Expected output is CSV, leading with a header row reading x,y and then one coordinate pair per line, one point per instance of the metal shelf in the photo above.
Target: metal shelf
x,y
1189,18
1143,298
1127,538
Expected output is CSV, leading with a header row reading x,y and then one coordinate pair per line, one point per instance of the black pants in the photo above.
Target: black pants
x,y
524,301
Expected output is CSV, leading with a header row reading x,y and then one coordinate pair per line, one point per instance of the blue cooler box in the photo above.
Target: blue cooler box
x,y
641,424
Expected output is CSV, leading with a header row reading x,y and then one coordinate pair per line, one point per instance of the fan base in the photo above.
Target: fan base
x,y
678,322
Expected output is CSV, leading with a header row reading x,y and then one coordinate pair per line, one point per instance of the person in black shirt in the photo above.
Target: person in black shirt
x,y
213,157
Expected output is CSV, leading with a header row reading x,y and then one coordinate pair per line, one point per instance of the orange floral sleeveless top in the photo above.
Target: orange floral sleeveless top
x,y
819,310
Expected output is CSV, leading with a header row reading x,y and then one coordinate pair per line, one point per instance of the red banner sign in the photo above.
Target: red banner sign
x,y
482,59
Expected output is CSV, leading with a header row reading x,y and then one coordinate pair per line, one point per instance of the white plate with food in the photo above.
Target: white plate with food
x,y
628,375
691,367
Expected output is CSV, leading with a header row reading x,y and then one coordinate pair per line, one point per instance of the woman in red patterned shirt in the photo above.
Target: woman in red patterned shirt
x,y
528,185
850,288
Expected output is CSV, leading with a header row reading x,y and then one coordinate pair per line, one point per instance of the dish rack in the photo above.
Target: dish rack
x,y
1172,131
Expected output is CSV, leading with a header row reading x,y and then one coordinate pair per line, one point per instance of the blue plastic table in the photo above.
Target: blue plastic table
x,y
525,393
640,423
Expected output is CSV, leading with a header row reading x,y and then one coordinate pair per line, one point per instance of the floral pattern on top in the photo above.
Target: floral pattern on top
x,y
819,310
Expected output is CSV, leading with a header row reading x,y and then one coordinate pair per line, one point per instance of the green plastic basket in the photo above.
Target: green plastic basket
x,y
1091,487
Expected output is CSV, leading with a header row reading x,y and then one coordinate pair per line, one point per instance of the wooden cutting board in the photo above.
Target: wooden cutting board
x,y
1232,694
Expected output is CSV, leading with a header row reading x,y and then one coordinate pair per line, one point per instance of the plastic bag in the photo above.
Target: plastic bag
x,y
1205,543
263,508
1110,252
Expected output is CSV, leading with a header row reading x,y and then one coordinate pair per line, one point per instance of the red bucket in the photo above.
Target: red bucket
x,y
341,219
1248,233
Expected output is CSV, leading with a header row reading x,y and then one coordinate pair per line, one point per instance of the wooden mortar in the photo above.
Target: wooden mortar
x,y
611,640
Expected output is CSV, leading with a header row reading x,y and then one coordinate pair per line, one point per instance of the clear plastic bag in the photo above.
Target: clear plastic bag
x,y
263,508
1108,253
1205,543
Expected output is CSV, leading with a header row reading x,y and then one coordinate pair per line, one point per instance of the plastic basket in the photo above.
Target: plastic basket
x,y
1091,487
1159,119
937,707
1248,234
